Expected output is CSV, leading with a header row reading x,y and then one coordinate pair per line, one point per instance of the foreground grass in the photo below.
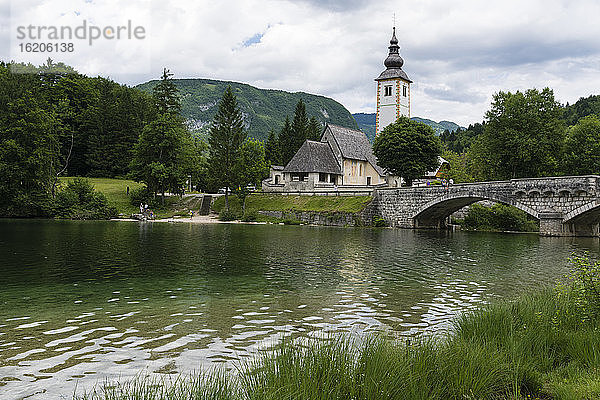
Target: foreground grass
x,y
115,191
543,346
275,202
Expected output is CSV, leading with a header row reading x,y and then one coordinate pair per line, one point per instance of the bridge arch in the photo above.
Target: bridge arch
x,y
435,212
588,213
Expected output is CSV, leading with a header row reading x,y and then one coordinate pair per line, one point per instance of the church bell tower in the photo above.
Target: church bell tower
x,y
393,89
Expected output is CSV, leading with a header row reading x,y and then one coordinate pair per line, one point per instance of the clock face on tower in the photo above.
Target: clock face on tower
x,y
393,88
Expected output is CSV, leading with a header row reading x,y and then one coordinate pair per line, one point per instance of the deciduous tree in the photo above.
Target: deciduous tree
x,y
408,149
522,138
582,147
251,168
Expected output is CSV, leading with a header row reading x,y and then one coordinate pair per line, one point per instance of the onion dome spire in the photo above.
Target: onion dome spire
x,y
394,60
393,63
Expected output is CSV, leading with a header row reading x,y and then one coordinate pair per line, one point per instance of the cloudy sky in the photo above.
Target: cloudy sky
x,y
458,53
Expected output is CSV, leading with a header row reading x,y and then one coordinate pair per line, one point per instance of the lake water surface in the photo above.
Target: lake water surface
x,y
82,302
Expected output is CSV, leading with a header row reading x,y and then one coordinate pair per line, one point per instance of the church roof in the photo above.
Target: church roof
x,y
314,157
393,62
354,145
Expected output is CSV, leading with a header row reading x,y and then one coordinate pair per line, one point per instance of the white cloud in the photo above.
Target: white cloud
x,y
458,53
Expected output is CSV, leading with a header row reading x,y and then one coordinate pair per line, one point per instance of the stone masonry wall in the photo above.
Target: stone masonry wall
x,y
426,206
317,218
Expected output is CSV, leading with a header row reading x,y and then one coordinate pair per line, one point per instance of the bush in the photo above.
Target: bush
x,y
250,216
582,287
142,195
499,217
228,215
79,200
292,222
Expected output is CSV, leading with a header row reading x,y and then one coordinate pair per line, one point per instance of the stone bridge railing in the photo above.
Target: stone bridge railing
x,y
565,206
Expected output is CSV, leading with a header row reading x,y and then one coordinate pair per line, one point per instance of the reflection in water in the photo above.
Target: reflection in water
x,y
85,301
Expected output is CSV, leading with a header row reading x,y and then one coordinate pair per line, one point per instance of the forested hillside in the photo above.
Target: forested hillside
x,y
263,109
366,123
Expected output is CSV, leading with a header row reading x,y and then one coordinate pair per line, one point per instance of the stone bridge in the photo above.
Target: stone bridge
x,y
565,206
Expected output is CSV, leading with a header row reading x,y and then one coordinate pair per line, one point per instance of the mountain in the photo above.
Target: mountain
x,y
366,123
263,109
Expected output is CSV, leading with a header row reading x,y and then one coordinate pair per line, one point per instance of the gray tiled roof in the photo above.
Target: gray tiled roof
x,y
355,145
314,157
393,73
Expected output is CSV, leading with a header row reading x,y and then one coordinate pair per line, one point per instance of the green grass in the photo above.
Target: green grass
x,y
115,191
544,345
276,202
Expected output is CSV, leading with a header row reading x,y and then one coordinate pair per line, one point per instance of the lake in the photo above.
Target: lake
x,y
82,302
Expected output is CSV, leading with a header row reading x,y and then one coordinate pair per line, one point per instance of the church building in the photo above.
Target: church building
x,y
342,160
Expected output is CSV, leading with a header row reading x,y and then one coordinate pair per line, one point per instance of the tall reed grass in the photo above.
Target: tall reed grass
x,y
544,345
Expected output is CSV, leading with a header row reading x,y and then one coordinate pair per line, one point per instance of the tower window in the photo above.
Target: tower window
x,y
387,90
404,91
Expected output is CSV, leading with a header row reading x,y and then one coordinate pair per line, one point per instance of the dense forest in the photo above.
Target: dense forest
x,y
55,122
527,134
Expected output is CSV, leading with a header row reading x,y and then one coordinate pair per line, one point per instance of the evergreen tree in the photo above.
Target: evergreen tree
x,y
272,153
287,147
225,139
314,129
299,125
165,94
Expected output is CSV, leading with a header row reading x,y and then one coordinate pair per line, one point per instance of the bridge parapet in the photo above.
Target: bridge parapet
x,y
558,202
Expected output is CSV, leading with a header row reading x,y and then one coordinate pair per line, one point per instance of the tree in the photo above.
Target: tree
x,y
299,125
165,94
314,129
286,142
582,147
28,145
522,137
460,140
272,153
251,168
408,149
459,170
163,155
582,108
225,139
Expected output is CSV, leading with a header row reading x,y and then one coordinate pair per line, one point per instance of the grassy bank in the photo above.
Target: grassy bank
x,y
275,202
542,346
115,191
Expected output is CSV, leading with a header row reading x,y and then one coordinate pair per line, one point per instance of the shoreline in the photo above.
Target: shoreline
x,y
197,219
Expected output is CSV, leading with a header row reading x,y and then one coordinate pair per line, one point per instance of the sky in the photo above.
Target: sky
x,y
458,53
